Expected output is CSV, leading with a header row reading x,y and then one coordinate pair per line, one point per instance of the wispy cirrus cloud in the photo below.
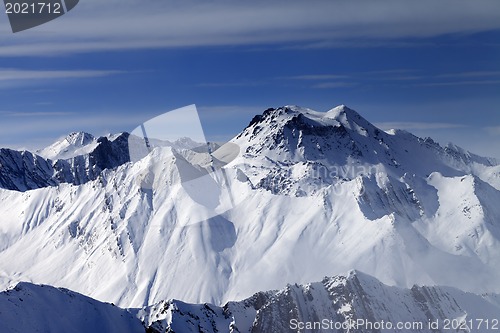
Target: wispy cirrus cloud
x,y
14,77
403,78
330,85
474,74
231,84
34,114
459,83
332,81
314,77
130,24
11,74
470,78
400,76
417,125
493,130
43,128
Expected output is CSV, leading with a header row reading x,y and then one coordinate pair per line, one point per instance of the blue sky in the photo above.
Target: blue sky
x,y
107,66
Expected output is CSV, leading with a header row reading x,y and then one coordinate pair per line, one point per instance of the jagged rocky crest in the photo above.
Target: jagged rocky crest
x,y
340,139
354,302
23,170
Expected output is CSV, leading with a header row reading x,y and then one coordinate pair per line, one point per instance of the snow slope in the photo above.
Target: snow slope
x,y
310,194
353,302
35,308
75,144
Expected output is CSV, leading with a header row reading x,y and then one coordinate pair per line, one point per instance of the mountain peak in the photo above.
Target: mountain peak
x,y
338,116
342,110
76,143
79,138
338,111
296,131
348,117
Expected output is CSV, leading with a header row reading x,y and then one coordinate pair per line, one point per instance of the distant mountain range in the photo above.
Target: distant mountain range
x,y
307,195
354,302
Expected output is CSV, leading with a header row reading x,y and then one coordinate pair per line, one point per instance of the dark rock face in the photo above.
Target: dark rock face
x,y
353,303
23,171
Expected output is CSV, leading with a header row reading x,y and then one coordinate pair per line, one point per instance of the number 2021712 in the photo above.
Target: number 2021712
x,y
32,8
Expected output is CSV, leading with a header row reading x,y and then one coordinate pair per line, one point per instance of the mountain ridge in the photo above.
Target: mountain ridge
x,y
306,192
351,302
23,171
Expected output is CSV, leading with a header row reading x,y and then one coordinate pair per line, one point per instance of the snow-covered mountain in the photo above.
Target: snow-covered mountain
x,y
38,308
75,144
354,302
77,159
309,195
